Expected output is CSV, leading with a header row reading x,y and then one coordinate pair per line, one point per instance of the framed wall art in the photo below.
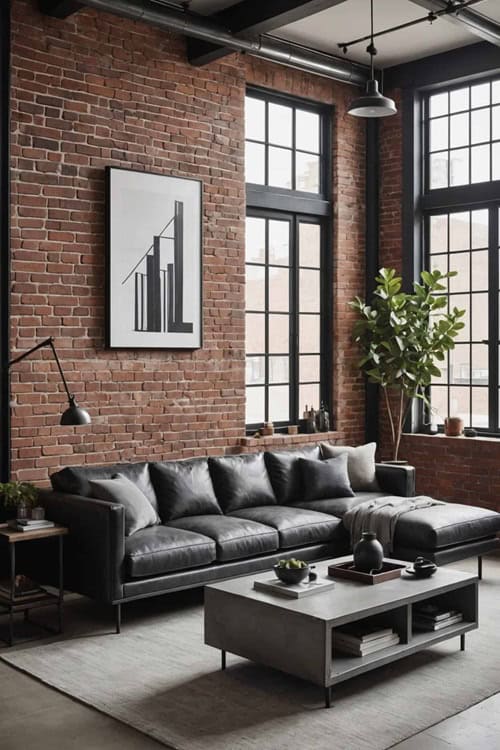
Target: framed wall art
x,y
154,272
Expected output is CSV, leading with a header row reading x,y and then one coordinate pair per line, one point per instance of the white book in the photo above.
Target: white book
x,y
428,625
368,648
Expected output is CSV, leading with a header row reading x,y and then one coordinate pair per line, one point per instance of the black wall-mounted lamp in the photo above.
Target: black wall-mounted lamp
x,y
73,415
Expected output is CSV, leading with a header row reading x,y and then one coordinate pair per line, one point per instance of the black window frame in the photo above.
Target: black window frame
x,y
270,202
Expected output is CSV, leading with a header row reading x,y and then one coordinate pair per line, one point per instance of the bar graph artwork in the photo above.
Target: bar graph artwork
x,y
154,260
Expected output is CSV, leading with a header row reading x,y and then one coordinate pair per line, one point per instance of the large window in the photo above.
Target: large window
x,y
287,270
460,202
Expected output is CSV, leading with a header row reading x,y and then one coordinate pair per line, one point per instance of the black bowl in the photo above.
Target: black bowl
x,y
291,575
423,571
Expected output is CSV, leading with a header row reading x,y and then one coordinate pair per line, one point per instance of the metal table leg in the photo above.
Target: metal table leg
x,y
328,697
222,659
12,592
462,642
61,584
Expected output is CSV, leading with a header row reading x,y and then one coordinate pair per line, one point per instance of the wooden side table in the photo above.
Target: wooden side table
x,y
15,604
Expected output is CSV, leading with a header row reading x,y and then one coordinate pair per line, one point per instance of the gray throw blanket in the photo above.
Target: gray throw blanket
x,y
381,516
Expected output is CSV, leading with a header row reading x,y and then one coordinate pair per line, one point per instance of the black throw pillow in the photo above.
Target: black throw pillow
x,y
184,488
325,479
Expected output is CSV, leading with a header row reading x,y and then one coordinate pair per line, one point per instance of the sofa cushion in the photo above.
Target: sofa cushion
x,y
234,537
295,526
337,506
445,525
75,480
139,513
184,488
241,481
162,549
322,479
284,472
360,464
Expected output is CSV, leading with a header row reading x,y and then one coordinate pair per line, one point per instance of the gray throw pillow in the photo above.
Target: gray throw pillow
x,y
139,513
360,464
325,479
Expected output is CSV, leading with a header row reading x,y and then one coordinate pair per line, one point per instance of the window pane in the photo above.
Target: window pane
x,y
480,415
309,368
279,369
495,92
480,126
460,403
309,291
307,131
443,366
479,228
255,241
279,332
460,365
255,119
279,403
255,400
440,263
460,262
480,271
480,364
309,244
439,401
255,170
279,243
496,162
308,396
255,288
438,134
255,333
462,301
438,104
480,163
459,231
280,124
479,314
495,123
280,167
459,100
309,333
307,172
255,370
279,289
459,166
439,233
439,170
459,130
480,95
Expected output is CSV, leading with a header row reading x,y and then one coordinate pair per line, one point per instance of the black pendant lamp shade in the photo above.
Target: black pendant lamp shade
x,y
373,103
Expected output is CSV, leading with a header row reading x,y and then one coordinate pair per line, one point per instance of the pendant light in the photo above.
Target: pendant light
x,y
373,103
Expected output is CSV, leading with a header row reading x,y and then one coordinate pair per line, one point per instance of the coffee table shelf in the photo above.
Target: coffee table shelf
x,y
296,635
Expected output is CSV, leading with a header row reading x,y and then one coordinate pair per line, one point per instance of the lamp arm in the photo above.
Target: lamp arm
x,y
46,342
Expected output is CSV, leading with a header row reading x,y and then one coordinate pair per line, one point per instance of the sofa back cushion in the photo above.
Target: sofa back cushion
x,y
139,513
241,481
323,479
284,472
184,488
360,464
75,480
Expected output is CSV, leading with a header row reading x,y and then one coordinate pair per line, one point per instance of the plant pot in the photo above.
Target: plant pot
x,y
368,553
453,426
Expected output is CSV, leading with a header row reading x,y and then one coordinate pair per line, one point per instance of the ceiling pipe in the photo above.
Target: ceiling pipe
x,y
199,27
477,23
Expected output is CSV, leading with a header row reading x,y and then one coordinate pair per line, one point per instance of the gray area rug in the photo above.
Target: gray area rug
x,y
160,678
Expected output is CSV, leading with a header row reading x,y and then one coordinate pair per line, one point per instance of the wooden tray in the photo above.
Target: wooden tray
x,y
347,570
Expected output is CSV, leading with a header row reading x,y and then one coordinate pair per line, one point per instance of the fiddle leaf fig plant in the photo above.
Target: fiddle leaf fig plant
x,y
18,493
402,338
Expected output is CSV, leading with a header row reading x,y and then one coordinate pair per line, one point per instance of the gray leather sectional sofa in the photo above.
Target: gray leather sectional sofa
x,y
228,516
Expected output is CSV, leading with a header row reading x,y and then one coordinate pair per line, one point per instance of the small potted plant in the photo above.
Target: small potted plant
x,y
19,495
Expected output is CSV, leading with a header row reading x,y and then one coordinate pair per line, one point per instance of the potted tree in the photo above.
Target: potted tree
x,y
401,337
20,495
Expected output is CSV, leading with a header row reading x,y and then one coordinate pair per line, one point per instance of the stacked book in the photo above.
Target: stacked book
x,y
24,590
361,639
28,524
431,616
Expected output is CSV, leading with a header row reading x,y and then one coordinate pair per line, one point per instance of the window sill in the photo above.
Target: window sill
x,y
284,440
442,436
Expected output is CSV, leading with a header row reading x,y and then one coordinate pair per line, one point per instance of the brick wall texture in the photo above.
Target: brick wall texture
x,y
95,90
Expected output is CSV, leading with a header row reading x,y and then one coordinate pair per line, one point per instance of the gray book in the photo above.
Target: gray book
x,y
293,590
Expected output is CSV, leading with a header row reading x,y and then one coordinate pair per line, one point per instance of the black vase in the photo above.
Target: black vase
x,y
368,553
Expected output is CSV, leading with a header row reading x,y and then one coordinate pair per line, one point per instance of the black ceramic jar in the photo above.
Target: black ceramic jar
x,y
368,553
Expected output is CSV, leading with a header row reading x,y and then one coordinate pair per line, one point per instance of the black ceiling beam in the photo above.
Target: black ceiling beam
x,y
59,8
475,60
252,18
476,23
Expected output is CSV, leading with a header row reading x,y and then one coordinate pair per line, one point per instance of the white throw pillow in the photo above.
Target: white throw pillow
x,y
360,464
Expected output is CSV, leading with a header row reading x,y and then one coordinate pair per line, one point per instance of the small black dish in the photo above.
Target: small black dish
x,y
422,571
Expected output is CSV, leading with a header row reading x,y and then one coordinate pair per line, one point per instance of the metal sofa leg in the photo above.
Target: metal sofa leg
x,y
118,618
480,567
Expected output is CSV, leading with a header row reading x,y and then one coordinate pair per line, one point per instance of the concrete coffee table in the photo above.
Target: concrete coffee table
x,y
297,635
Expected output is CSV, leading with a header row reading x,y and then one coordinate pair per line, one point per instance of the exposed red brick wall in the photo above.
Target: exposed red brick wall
x,y
95,90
